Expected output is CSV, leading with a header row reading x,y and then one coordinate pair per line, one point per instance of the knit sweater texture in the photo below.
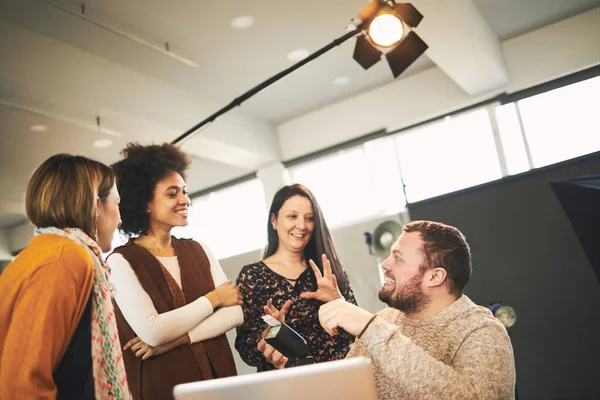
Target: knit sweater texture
x,y
462,352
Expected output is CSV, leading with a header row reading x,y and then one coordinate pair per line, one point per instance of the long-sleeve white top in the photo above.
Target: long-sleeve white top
x,y
197,318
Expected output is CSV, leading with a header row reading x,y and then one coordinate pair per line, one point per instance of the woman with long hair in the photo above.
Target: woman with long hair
x,y
174,302
58,334
283,284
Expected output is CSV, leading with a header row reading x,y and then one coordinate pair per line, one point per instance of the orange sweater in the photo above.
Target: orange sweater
x,y
43,294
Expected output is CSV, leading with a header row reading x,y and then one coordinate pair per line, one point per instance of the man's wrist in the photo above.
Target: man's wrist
x,y
366,326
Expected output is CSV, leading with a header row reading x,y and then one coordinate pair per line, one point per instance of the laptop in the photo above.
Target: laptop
x,y
334,380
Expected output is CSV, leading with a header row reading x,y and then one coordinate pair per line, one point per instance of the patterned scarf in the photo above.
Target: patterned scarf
x,y
110,381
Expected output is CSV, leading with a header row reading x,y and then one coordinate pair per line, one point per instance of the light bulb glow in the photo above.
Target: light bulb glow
x,y
298,54
38,128
386,30
243,22
102,143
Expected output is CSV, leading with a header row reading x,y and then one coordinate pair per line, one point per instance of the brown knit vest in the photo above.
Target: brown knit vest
x,y
155,378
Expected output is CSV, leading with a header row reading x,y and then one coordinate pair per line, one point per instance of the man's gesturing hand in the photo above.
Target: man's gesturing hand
x,y
340,313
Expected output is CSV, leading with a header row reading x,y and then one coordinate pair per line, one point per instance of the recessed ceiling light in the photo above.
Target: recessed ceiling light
x,y
298,54
38,128
102,143
243,22
341,80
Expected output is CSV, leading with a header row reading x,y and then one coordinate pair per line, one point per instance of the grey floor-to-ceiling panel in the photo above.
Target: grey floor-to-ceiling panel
x,y
526,254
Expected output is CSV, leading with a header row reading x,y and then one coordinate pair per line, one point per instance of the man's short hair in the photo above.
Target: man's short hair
x,y
445,247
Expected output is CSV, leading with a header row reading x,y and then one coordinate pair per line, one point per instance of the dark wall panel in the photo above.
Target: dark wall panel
x,y
526,254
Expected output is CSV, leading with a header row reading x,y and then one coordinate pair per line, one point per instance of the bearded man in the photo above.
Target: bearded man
x,y
432,342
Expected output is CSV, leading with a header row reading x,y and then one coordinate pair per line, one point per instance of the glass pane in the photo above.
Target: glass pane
x,y
563,123
118,239
342,185
512,139
385,172
230,221
449,155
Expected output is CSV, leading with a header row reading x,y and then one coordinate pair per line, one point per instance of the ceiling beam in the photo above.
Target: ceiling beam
x,y
224,152
463,45
78,86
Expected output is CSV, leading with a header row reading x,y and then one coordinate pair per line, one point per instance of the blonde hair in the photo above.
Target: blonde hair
x,y
64,191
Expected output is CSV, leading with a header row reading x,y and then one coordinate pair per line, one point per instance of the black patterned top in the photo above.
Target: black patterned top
x,y
257,284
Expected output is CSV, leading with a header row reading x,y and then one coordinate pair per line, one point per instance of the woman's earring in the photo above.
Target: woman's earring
x,y
96,222
95,229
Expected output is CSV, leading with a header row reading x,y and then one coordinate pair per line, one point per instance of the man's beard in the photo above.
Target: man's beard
x,y
409,299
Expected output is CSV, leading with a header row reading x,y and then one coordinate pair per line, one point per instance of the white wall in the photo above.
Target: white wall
x,y
232,267
553,51
533,58
4,249
19,236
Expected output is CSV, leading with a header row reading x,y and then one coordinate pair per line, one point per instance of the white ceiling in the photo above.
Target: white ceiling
x,y
62,71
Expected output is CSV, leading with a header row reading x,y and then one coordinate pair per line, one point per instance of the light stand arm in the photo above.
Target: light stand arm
x,y
239,100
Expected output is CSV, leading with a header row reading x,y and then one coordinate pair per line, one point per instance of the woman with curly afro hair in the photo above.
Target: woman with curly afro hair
x,y
173,300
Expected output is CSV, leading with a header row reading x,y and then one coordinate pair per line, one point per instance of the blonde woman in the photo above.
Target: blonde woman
x,y
58,334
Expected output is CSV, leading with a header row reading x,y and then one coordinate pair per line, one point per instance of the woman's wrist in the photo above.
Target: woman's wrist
x,y
264,332
164,348
185,339
214,299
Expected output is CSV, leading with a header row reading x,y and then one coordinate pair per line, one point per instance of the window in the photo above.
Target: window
x,y
455,153
449,155
118,239
511,137
385,172
381,175
230,221
342,185
563,123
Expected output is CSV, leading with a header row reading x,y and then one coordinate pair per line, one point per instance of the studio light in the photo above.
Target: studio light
x,y
387,30
505,314
381,240
381,28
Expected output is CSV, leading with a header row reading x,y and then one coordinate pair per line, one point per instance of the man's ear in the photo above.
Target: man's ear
x,y
436,277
